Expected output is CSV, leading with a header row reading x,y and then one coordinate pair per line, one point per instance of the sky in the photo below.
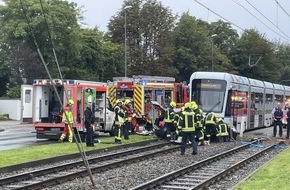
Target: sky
x,y
275,24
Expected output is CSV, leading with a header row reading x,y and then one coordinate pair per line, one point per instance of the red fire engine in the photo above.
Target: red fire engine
x,y
144,89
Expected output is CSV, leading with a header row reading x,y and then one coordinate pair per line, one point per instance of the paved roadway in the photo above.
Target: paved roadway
x,y
13,134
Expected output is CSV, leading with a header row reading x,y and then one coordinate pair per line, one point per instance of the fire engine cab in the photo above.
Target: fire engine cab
x,y
41,106
142,90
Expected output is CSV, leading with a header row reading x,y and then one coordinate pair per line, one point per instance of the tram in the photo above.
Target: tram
x,y
244,103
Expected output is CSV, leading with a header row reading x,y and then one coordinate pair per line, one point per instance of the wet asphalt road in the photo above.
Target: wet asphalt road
x,y
13,135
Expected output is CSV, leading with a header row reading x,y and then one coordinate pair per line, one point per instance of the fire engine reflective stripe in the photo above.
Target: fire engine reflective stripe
x,y
138,99
112,94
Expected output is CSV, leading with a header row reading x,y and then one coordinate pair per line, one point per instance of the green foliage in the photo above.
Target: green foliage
x,y
250,48
14,92
21,155
149,34
157,44
273,175
62,20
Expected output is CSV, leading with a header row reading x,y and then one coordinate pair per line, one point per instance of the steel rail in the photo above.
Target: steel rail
x,y
178,173
65,176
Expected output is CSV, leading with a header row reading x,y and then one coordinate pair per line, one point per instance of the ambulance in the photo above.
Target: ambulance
x,y
41,105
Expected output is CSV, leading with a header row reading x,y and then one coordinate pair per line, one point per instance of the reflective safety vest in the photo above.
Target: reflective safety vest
x,y
199,118
119,115
169,116
186,121
69,118
210,119
223,130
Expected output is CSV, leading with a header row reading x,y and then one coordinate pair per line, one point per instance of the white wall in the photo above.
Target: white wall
x,y
11,107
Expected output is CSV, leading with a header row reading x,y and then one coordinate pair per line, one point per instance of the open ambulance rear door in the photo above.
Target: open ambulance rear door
x,y
26,103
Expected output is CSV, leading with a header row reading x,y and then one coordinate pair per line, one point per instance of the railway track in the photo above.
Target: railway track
x,y
203,174
45,177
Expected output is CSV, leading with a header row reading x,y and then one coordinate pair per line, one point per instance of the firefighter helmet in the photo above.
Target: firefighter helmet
x,y
119,101
187,105
193,105
70,102
219,120
173,104
127,101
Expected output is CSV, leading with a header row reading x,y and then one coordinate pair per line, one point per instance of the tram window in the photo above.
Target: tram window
x,y
269,97
209,94
279,98
258,97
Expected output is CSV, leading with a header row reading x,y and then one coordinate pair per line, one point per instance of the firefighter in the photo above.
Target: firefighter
x,y
223,130
199,122
67,119
169,121
127,118
210,127
175,122
186,124
89,124
119,121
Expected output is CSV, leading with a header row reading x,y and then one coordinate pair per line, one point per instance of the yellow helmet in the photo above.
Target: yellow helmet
x,y
219,120
187,105
193,105
71,102
119,101
173,104
127,101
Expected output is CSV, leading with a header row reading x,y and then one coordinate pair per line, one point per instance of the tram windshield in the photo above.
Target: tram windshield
x,y
209,94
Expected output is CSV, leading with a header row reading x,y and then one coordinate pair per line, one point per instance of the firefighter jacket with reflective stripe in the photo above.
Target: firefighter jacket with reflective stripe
x,y
223,130
119,115
69,118
210,119
127,113
169,115
187,121
198,117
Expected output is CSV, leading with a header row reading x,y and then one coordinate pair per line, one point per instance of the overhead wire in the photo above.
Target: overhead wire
x,y
260,20
79,145
282,8
234,23
219,15
54,87
266,19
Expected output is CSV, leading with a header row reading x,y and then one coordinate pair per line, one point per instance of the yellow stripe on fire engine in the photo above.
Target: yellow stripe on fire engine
x,y
112,94
138,99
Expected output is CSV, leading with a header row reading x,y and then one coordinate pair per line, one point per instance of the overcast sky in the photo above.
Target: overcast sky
x,y
98,13
276,25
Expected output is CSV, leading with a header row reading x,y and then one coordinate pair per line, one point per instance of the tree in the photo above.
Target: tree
x,y
62,20
100,59
254,57
150,44
194,48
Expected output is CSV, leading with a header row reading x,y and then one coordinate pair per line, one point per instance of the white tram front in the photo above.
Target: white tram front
x,y
244,103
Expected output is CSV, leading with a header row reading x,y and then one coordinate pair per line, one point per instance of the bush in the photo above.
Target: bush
x,y
14,92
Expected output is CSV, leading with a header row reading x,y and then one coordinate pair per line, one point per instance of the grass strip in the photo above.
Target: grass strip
x,y
273,175
26,154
